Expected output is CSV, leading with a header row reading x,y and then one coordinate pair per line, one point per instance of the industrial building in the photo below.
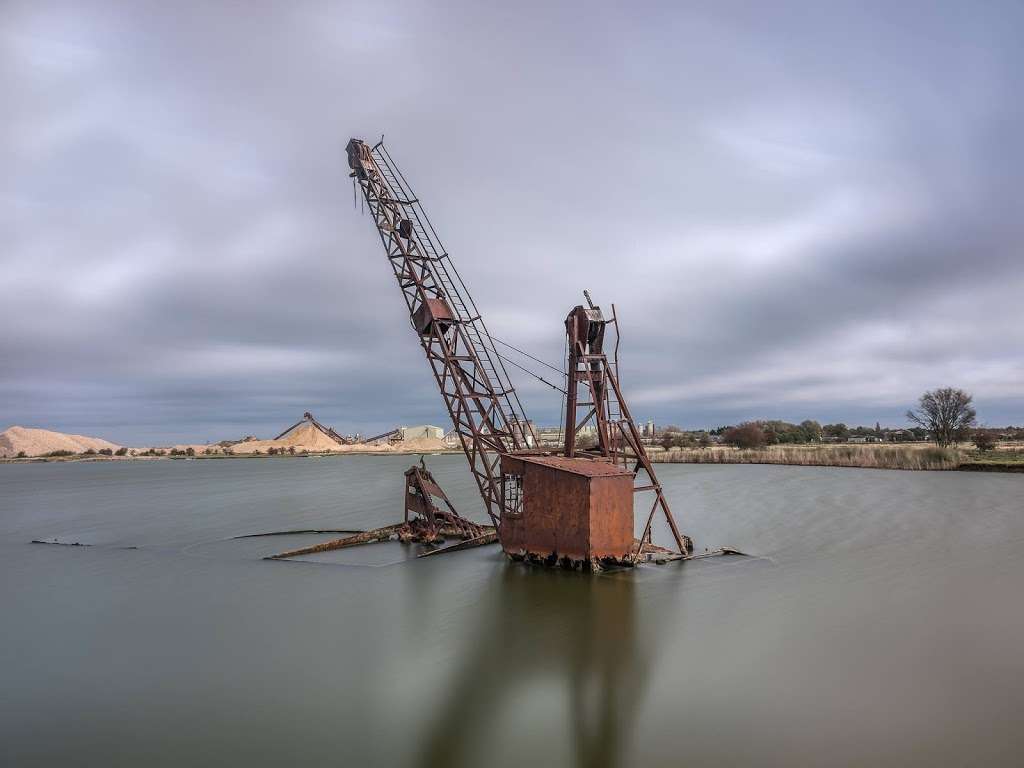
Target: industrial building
x,y
423,430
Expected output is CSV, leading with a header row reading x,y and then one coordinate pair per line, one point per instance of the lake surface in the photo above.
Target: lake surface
x,y
882,623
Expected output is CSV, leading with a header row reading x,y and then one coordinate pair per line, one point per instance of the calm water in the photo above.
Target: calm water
x,y
883,623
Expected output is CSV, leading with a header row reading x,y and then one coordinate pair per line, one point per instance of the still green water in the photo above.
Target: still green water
x,y
881,624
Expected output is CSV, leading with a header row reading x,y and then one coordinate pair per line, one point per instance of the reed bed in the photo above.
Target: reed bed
x,y
923,457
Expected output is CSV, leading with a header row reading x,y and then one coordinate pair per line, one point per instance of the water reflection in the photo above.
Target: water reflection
x,y
887,632
536,628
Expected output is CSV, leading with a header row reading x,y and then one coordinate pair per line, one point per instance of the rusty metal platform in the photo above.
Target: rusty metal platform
x,y
575,512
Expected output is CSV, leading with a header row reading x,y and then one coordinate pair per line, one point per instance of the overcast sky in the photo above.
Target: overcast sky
x,y
800,210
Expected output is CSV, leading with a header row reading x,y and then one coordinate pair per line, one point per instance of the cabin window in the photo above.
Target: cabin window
x,y
511,495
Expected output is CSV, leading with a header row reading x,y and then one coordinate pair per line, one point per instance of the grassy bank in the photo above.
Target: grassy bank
x,y
1006,460
866,456
905,456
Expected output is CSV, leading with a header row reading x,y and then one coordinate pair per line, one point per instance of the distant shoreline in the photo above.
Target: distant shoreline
x,y
79,458
912,457
927,458
306,438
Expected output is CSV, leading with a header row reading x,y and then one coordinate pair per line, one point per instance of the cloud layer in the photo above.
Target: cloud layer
x,y
798,211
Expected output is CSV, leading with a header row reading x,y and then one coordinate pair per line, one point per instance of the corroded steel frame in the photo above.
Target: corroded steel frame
x,y
618,437
484,408
424,517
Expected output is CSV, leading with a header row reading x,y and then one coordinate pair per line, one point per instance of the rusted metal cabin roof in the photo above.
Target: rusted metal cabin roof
x,y
585,467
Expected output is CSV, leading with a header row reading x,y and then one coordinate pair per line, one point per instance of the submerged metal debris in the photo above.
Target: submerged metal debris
x,y
426,522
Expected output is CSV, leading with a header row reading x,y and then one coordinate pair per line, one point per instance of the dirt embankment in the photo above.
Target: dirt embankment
x,y
40,442
18,442
306,438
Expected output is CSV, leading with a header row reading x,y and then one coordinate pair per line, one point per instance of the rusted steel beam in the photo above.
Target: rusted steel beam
x,y
429,518
300,530
669,557
489,537
367,537
618,437
424,520
485,410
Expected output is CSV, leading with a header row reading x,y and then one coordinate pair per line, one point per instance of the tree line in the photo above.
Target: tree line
x,y
945,416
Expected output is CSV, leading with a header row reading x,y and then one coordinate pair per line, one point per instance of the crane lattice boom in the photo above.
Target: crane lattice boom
x,y
485,410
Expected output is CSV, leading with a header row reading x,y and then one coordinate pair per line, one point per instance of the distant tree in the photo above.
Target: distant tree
x,y
811,431
878,429
672,440
106,452
839,430
984,440
745,436
190,451
291,450
22,455
121,452
946,413
89,452
704,440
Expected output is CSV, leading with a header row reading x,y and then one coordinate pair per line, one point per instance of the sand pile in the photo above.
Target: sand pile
x,y
363,448
421,444
315,446
37,442
309,437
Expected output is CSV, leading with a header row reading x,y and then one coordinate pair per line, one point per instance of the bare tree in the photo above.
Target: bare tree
x,y
946,413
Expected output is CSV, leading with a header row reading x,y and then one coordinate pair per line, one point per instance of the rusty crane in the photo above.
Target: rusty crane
x,y
569,506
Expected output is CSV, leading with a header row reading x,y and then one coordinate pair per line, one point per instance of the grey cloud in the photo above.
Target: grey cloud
x,y
798,212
